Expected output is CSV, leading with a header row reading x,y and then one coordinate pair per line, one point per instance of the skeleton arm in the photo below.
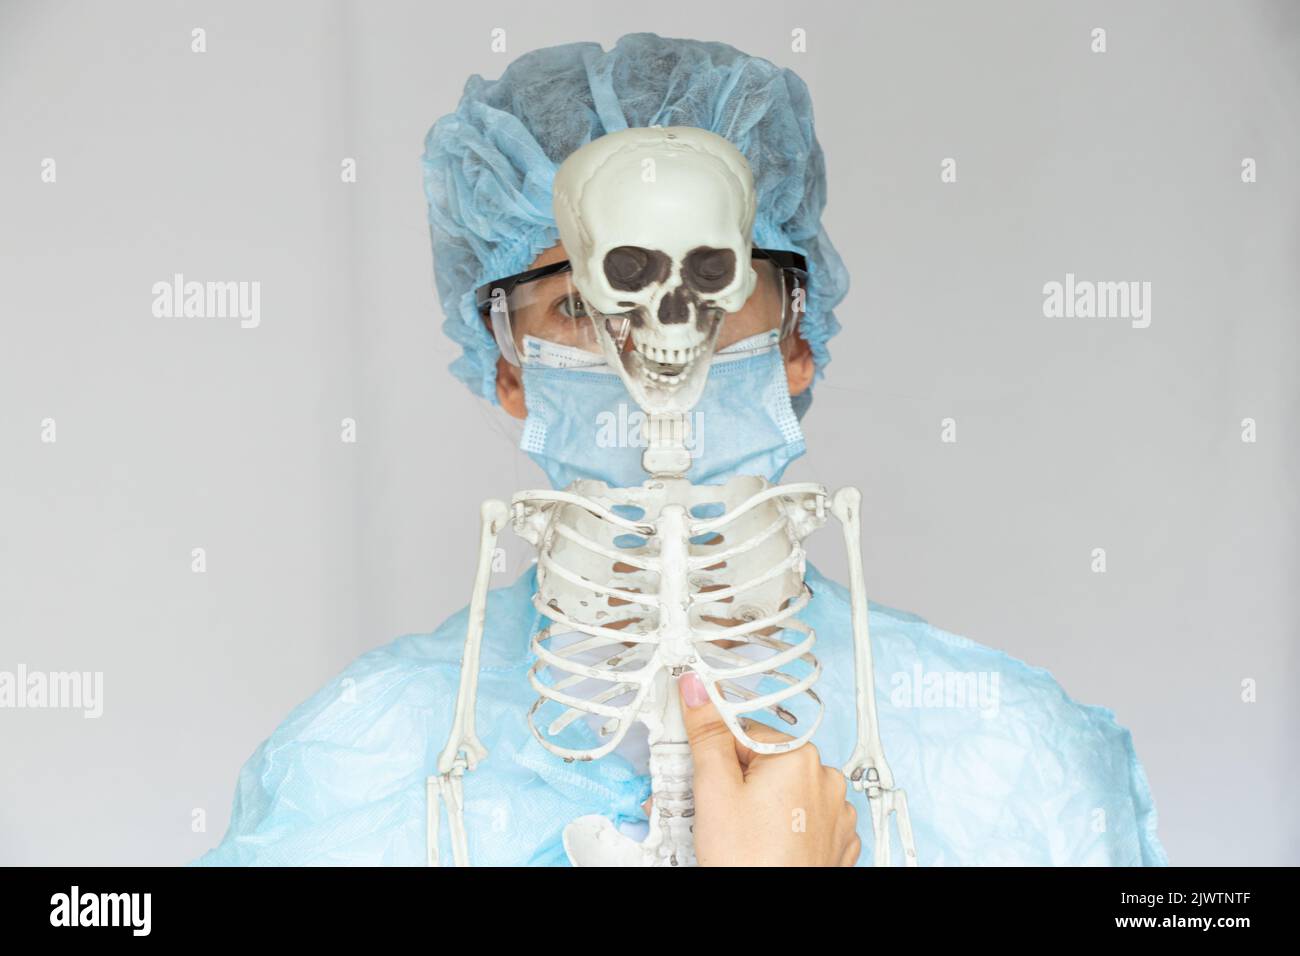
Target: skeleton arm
x,y
464,750
867,768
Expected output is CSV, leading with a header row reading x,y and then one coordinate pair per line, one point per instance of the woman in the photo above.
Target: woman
x,y
999,764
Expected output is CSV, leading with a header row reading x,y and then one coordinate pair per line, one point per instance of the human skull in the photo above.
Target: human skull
x,y
657,223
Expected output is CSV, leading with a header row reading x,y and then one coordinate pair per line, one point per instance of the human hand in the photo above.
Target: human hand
x,y
785,809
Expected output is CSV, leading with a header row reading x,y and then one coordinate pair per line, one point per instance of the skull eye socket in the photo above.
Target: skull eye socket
x,y
631,268
709,270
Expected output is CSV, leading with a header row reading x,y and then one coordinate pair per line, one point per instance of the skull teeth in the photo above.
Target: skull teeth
x,y
665,356
667,380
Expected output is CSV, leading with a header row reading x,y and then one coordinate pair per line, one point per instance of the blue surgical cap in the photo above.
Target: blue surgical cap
x,y
489,166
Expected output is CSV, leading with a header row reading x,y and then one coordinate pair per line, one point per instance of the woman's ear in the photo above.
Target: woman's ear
x,y
799,365
510,389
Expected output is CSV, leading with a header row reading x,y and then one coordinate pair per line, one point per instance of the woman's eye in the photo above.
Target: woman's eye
x,y
572,307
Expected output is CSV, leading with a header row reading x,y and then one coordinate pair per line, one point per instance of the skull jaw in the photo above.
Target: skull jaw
x,y
662,389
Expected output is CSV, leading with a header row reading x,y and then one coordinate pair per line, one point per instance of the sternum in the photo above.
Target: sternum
x,y
675,647
671,768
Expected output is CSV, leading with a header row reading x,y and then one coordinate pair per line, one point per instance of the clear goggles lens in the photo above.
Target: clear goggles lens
x,y
545,305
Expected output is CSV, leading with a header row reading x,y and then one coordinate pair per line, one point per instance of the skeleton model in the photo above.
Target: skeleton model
x,y
640,585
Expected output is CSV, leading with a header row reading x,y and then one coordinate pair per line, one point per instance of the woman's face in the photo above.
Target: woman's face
x,y
552,315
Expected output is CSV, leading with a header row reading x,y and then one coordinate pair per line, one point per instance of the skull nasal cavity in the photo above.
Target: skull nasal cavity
x,y
676,306
631,268
709,270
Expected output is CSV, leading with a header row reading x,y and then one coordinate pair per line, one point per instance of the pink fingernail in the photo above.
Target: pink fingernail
x,y
692,688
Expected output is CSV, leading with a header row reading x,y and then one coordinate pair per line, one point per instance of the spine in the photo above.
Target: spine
x,y
672,777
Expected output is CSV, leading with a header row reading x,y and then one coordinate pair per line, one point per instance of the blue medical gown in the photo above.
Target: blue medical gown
x,y
1033,779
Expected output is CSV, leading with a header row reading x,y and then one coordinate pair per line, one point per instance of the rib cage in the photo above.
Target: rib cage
x,y
604,557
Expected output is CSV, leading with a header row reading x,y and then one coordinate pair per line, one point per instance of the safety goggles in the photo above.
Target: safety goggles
x,y
543,304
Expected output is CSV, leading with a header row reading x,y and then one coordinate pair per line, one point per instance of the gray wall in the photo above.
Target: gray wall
x,y
1073,434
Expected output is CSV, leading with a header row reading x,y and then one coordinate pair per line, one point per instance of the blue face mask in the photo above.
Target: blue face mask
x,y
582,423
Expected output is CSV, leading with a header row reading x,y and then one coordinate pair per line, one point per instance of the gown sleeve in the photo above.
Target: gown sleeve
x,y
342,780
1018,773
